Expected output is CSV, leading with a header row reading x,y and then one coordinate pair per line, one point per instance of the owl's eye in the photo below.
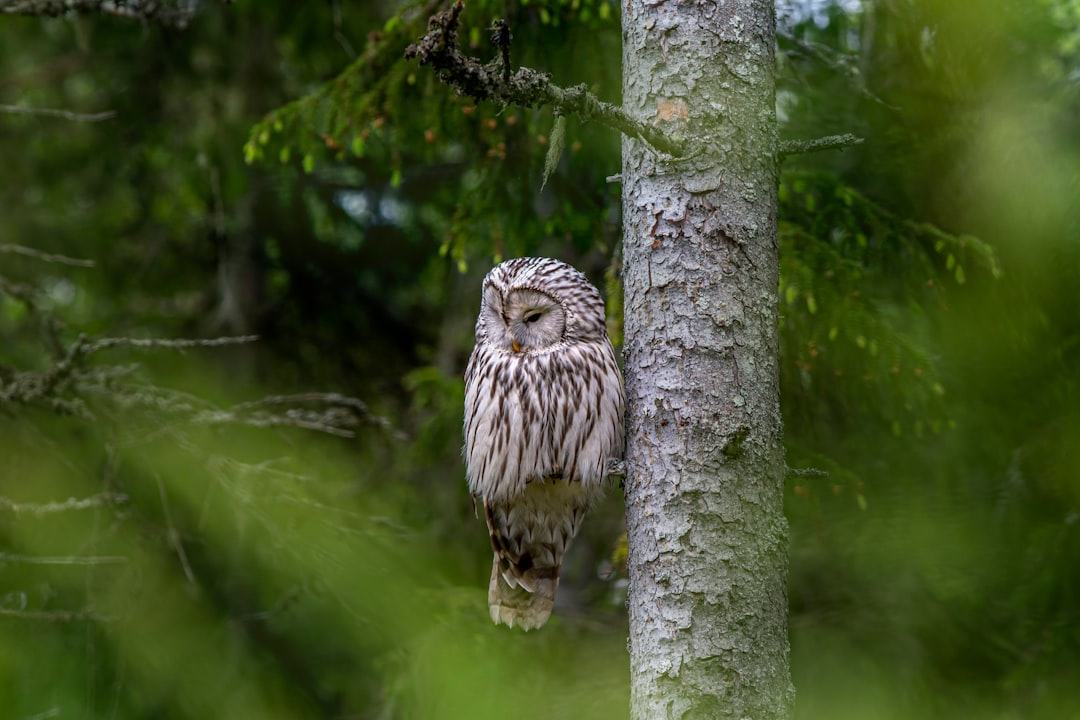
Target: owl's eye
x,y
532,317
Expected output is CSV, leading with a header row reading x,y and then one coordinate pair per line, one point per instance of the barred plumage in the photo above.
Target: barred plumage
x,y
543,414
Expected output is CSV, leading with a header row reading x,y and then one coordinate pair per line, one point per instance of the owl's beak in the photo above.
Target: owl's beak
x,y
513,344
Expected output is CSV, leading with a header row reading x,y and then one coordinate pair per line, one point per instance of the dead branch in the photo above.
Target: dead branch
x,y
806,472
831,142
55,113
177,344
65,560
44,257
55,615
525,87
176,14
94,501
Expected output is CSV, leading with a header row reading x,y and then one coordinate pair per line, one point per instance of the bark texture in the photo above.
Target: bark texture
x,y
706,531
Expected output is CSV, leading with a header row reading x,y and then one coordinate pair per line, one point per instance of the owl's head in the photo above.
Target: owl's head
x,y
534,304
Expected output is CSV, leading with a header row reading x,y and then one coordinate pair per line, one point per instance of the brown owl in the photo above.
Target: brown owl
x,y
543,415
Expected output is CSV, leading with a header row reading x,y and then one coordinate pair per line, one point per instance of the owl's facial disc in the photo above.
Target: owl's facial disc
x,y
534,320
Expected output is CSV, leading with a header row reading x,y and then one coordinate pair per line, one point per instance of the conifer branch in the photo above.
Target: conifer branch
x,y
525,87
99,500
43,256
56,113
175,14
830,142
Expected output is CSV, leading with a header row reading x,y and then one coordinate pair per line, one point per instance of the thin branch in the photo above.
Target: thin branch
x,y
839,62
525,87
179,344
333,399
93,501
831,142
224,417
54,615
173,534
134,9
31,387
50,713
806,472
62,560
22,293
54,113
44,257
339,36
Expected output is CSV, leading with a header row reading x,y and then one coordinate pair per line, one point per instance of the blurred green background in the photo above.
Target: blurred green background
x,y
277,169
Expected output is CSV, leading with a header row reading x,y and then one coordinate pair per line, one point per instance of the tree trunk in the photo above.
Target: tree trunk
x,y
705,462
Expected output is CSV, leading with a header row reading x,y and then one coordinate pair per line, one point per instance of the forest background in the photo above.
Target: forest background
x,y
280,527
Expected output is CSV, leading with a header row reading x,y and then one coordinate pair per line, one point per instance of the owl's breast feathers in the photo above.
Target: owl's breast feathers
x,y
529,416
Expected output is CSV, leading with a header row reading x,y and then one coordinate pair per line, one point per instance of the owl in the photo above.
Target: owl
x,y
543,415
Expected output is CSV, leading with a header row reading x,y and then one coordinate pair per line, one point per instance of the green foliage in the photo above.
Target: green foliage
x,y
477,171
859,291
217,566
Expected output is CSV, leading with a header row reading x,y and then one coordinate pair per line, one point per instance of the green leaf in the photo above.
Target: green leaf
x,y
309,163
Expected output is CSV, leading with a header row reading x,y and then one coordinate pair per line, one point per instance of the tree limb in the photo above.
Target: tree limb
x,y
841,63
806,472
831,142
62,114
44,257
54,615
64,560
176,14
105,498
525,87
179,344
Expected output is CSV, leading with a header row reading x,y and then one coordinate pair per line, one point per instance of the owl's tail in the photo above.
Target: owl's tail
x,y
521,599
530,535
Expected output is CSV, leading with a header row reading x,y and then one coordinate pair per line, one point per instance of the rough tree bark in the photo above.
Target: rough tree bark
x,y
705,464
